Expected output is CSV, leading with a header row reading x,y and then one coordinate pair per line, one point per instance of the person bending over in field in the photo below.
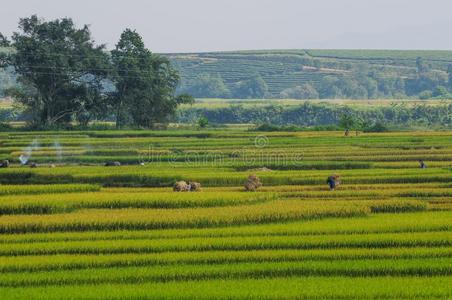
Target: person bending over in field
x,y
347,132
422,164
332,181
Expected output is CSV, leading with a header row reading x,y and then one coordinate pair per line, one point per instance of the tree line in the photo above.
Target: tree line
x,y
312,114
64,76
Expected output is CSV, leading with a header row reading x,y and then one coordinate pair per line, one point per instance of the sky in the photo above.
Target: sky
x,y
170,26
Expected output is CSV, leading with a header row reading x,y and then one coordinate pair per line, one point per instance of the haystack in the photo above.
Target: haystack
x,y
252,183
181,186
194,186
4,164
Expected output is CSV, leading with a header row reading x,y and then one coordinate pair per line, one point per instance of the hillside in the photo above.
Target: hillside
x,y
370,73
309,74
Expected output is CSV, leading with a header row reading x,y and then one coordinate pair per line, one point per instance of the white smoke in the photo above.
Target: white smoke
x,y
27,152
58,149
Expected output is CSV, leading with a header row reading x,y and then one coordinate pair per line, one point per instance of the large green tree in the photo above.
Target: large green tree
x,y
60,70
304,91
254,88
207,86
145,84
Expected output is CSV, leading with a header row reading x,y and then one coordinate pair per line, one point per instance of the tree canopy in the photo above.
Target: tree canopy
x,y
59,69
63,76
145,84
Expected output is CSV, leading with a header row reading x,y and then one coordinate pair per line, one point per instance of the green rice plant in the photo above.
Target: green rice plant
x,y
296,287
83,261
426,221
46,189
165,273
176,218
59,203
328,241
121,233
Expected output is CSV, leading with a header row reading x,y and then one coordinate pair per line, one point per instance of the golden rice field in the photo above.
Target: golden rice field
x,y
72,228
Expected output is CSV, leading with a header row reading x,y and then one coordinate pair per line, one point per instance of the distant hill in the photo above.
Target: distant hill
x,y
376,73
309,74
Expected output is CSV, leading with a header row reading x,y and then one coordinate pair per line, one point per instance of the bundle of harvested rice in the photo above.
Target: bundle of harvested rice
x,y
181,186
252,183
194,186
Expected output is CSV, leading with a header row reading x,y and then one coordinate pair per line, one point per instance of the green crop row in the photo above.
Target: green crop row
x,y
379,223
60,203
164,273
47,189
36,263
382,240
265,288
105,219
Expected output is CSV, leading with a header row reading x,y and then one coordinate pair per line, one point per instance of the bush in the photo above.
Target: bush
x,y
271,127
5,127
203,122
377,127
424,95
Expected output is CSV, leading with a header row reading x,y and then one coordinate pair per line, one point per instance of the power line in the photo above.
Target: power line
x,y
54,73
91,69
84,56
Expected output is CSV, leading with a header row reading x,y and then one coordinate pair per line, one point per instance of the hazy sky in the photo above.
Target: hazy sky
x,y
208,25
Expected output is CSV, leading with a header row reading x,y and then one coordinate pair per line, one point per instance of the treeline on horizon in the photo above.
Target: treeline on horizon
x,y
326,116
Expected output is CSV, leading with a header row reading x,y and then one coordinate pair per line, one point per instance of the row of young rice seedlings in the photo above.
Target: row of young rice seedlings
x,y
313,287
245,243
376,223
182,272
34,263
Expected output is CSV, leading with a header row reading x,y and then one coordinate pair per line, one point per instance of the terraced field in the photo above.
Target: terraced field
x,y
283,69
73,228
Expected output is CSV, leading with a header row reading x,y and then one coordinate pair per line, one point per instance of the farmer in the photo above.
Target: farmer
x,y
332,181
347,132
422,165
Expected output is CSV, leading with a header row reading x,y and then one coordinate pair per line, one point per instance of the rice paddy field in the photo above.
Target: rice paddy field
x,y
72,228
